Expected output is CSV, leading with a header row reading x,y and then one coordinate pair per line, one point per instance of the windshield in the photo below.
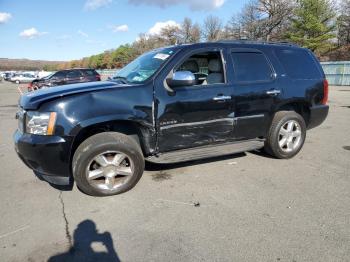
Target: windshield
x,y
143,67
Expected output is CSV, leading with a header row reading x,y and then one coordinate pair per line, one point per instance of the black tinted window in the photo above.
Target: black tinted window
x,y
73,74
298,64
61,74
89,72
251,66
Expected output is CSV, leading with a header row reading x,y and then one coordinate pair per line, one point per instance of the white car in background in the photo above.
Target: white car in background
x,y
22,78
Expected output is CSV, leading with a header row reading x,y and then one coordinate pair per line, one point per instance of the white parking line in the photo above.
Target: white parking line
x,y
15,231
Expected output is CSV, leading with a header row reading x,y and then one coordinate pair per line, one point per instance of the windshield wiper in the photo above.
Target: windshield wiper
x,y
121,78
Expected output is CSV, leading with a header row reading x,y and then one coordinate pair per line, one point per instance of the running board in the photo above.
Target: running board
x,y
206,151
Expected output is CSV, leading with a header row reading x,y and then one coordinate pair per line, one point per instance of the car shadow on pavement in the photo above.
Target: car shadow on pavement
x,y
261,152
82,249
160,167
68,187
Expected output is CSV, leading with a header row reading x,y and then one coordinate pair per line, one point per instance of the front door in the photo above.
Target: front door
x,y
196,115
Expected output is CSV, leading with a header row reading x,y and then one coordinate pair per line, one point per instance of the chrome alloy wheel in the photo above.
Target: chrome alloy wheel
x,y
109,170
289,137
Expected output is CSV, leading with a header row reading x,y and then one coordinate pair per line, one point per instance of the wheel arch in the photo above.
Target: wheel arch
x,y
142,134
301,107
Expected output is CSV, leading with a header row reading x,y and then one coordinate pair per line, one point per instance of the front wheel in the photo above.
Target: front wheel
x,y
107,164
286,135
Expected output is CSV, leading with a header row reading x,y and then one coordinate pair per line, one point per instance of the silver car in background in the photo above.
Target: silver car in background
x,y
22,78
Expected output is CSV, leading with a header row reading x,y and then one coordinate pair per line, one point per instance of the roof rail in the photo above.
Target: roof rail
x,y
245,41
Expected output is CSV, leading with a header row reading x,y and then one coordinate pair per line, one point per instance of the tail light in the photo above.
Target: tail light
x,y
325,92
98,78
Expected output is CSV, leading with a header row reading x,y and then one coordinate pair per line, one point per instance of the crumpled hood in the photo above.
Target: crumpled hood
x,y
32,100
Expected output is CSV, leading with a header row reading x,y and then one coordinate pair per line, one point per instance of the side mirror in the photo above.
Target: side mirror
x,y
181,78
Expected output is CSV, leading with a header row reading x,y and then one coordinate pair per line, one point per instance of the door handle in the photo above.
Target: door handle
x,y
221,98
273,92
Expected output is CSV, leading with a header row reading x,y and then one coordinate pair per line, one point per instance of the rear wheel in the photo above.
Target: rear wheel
x,y
286,134
107,164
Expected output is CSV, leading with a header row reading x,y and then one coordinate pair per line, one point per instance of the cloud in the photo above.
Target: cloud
x,y
31,33
120,28
157,28
82,33
5,17
193,4
95,4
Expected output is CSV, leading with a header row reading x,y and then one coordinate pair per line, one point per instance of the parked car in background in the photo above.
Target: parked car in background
x,y
170,105
22,78
7,76
65,77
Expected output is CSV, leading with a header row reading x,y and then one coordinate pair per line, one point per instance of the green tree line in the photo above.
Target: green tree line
x,y
320,25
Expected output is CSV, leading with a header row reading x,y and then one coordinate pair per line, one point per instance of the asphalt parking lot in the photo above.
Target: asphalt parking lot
x,y
246,207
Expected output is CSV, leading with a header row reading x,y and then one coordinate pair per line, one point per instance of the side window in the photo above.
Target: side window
x,y
298,64
251,67
74,74
59,75
207,67
89,72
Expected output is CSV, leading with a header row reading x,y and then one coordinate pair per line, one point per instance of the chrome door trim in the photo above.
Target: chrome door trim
x,y
228,119
222,98
248,117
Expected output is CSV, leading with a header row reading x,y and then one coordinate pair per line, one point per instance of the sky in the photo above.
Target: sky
x,y
63,30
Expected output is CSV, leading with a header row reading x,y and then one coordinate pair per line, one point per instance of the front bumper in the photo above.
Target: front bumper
x,y
317,115
47,155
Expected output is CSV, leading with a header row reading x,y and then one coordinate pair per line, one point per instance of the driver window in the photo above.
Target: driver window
x,y
207,68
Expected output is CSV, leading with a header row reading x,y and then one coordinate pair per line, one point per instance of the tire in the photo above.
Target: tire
x,y
18,82
279,130
97,154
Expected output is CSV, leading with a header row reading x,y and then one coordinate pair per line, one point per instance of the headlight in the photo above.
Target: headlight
x,y
40,123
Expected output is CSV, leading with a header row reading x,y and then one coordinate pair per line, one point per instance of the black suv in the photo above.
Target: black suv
x,y
173,104
65,77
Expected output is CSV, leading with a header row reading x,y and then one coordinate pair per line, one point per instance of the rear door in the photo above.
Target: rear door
x,y
90,75
255,92
74,76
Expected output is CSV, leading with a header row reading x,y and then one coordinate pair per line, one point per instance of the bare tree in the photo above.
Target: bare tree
x,y
189,32
343,23
265,19
233,29
250,22
212,28
195,36
274,14
147,42
185,31
170,34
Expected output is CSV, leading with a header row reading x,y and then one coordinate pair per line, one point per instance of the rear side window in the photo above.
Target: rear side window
x,y
89,72
251,67
298,64
73,74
